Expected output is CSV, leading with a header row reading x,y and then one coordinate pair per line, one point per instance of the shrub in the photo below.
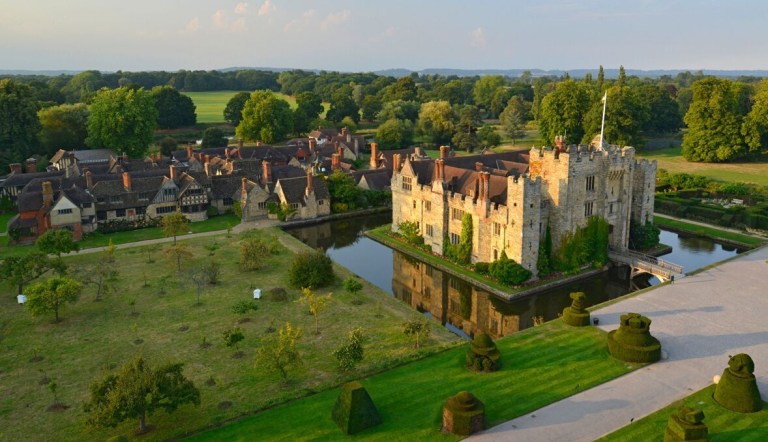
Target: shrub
x,y
737,389
482,267
483,354
277,294
410,231
211,211
352,285
354,410
311,270
244,306
576,315
643,237
686,424
350,353
463,414
508,272
632,341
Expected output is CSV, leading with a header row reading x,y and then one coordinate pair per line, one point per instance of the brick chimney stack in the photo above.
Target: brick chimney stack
x,y
486,186
439,171
172,172
266,172
15,168
190,152
31,165
126,181
312,145
444,152
207,168
47,194
396,162
310,184
479,166
559,142
335,162
374,156
207,159
89,179
226,152
244,185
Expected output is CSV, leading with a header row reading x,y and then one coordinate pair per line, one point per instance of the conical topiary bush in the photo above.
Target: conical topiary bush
x,y
463,414
354,410
483,354
686,425
576,315
632,342
737,389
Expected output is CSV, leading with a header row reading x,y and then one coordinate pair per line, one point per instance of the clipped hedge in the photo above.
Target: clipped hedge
x,y
463,414
354,410
632,341
483,354
737,389
687,424
576,315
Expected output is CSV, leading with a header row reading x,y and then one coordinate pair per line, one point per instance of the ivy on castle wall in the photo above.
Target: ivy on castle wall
x,y
588,244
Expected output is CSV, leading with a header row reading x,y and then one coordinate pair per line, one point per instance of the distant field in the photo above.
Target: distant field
x,y
210,105
671,160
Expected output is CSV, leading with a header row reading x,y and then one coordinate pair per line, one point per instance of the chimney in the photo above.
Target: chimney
x,y
357,149
200,156
335,161
47,194
479,166
207,167
190,153
226,152
396,162
127,181
173,172
340,150
310,184
559,141
244,185
240,143
258,143
89,179
16,168
444,152
207,159
344,131
439,170
374,156
312,145
31,165
486,186
266,172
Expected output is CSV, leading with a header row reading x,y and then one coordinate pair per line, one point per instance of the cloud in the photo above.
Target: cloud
x,y
221,21
390,32
477,38
193,25
335,19
266,8
218,19
298,23
241,8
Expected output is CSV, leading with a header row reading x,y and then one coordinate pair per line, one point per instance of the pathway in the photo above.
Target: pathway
x,y
700,321
711,226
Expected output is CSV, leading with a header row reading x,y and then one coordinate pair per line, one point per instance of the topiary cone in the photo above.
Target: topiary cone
x,y
354,410
737,389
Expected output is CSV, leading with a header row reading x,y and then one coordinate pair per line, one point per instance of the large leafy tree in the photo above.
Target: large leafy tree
x,y
394,134
51,295
173,108
56,242
625,114
755,128
663,110
279,354
714,121
122,119
403,89
266,118
309,106
343,190
402,110
136,391
563,111
233,112
343,105
486,88
63,127
465,137
83,87
18,122
437,121
21,270
514,117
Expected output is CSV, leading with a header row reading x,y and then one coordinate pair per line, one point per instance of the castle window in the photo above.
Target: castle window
x,y
227,201
457,213
115,199
64,211
120,213
261,206
320,202
495,254
428,206
588,209
428,270
455,238
496,229
294,206
591,182
407,183
429,230
427,293
610,208
414,204
165,209
170,192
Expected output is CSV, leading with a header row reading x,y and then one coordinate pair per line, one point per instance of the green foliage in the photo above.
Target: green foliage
x,y
52,295
343,105
168,145
63,127
254,251
488,137
349,354
418,330
56,242
575,314
279,354
316,305
344,193
514,117
354,410
465,137
123,120
232,337
173,109
626,115
588,244
20,270
544,261
309,106
394,134
311,270
437,121
352,285
213,137
174,224
233,112
483,356
508,271
643,237
737,389
632,341
410,231
755,127
266,118
483,268
211,270
465,411
563,111
137,391
464,251
19,124
486,89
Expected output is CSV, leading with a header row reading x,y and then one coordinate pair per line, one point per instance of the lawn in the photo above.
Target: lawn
x,y
210,105
95,337
711,232
540,366
671,160
723,425
5,218
96,239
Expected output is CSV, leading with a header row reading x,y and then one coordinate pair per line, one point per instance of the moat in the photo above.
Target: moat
x,y
467,310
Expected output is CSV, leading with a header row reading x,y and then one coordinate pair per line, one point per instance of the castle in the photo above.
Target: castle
x,y
513,196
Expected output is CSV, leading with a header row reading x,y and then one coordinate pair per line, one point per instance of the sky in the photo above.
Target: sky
x,y
346,35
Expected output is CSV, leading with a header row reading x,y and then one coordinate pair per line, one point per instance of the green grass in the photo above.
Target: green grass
x,y
711,232
94,337
724,425
97,239
210,105
539,366
5,218
671,160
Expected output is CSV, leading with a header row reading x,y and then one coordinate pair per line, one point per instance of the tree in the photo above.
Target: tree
x,y
351,352
168,146
82,87
123,120
21,270
18,122
352,285
508,271
399,109
403,89
173,108
309,106
233,112
280,354
488,136
663,111
371,107
311,270
464,251
563,111
625,114
213,137
755,127
265,117
466,130
177,253
174,224
343,105
56,242
437,121
103,277
394,134
63,127
714,121
51,295
136,391
513,118
232,338
485,88
344,192
418,330
316,305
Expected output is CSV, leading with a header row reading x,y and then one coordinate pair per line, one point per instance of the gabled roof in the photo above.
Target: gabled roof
x,y
294,188
85,156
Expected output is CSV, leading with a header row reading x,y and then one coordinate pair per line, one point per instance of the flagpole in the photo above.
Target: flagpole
x,y
602,125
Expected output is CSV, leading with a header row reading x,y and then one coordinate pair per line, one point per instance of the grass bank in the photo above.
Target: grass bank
x,y
724,425
210,105
710,232
672,160
539,366
94,338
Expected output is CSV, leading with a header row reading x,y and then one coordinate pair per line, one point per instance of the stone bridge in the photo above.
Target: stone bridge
x,y
642,263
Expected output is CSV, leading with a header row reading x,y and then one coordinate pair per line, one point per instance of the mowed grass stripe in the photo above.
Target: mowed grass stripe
x,y
540,366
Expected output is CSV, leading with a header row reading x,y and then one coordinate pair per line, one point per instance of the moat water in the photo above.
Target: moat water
x,y
466,309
